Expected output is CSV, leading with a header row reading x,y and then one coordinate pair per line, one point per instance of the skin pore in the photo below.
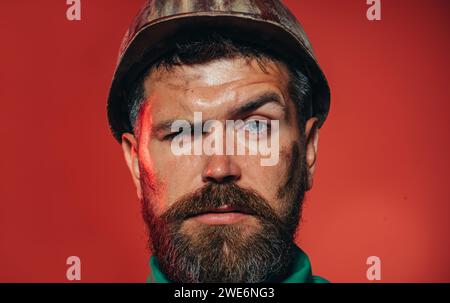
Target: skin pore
x,y
217,89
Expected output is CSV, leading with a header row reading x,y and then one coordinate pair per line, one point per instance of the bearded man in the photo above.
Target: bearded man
x,y
223,216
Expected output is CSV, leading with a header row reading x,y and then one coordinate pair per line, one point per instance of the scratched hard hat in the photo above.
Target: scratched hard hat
x,y
265,22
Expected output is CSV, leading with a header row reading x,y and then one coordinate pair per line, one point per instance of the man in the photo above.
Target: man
x,y
215,214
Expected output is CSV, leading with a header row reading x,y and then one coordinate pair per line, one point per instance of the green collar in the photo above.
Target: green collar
x,y
300,271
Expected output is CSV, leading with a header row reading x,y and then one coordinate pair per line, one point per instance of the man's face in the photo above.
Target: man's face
x,y
220,217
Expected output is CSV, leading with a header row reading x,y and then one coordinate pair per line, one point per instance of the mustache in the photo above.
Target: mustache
x,y
213,195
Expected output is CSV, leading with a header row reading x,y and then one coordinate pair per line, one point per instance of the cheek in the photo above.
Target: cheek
x,y
180,174
153,190
153,186
266,180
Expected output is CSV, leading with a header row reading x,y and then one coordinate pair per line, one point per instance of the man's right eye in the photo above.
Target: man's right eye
x,y
169,137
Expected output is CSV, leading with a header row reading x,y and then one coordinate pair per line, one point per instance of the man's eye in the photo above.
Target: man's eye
x,y
257,126
169,137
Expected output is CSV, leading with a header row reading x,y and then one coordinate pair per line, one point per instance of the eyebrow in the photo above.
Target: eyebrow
x,y
258,102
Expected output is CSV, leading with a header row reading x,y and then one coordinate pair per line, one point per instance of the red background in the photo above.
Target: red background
x,y
382,182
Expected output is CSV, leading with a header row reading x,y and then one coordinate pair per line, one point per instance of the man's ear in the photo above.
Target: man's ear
x,y
130,148
312,142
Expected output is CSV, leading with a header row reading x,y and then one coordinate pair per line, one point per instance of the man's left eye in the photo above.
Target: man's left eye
x,y
256,126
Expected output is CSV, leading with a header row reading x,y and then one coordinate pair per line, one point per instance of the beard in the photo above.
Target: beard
x,y
228,253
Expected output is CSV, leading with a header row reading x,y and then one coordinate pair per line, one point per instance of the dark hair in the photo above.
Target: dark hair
x,y
203,47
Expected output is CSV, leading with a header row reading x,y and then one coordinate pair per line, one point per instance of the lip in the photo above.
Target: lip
x,y
223,215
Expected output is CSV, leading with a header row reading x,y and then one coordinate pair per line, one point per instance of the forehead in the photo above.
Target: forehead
x,y
213,85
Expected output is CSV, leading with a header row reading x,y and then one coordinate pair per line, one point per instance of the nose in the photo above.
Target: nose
x,y
221,169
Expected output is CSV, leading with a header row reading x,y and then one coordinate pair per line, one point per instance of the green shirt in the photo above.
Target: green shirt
x,y
300,271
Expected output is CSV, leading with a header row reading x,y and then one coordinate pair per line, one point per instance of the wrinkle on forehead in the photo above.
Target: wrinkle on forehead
x,y
212,85
219,100
220,72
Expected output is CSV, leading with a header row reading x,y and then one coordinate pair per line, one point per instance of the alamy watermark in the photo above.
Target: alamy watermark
x,y
374,10
374,271
73,12
73,272
234,137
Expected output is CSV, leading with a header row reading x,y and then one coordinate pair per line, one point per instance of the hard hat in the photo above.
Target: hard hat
x,y
265,22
